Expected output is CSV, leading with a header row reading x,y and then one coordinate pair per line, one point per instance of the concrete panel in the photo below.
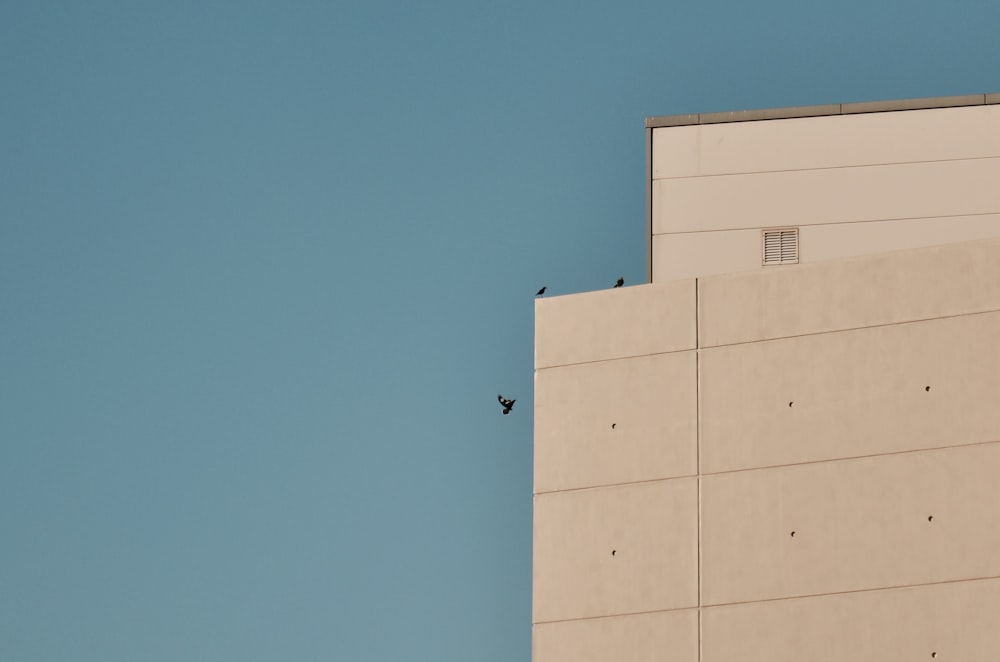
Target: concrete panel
x,y
616,550
614,323
834,195
666,636
829,242
888,288
615,422
696,254
851,393
954,621
827,142
858,524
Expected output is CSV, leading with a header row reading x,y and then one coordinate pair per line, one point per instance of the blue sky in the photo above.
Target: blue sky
x,y
264,268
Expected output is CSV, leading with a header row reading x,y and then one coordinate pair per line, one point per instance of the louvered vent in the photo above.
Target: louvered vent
x,y
781,246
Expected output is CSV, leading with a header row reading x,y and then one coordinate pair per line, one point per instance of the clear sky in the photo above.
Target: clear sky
x,y
264,268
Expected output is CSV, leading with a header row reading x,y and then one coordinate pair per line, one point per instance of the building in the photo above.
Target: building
x,y
785,446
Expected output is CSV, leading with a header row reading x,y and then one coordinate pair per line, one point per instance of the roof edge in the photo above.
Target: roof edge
x,y
823,110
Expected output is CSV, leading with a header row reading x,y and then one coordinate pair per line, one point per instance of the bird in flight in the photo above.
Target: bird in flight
x,y
540,292
619,282
507,404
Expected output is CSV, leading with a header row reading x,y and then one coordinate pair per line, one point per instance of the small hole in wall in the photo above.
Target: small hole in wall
x,y
933,654
613,552
790,404
927,388
793,534
930,518
613,426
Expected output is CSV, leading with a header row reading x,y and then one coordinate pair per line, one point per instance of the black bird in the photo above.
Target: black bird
x,y
619,282
540,292
507,404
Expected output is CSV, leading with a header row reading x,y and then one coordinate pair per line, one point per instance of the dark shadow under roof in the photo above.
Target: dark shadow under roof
x,y
819,111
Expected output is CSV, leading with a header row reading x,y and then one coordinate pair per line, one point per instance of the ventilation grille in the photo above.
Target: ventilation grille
x,y
781,246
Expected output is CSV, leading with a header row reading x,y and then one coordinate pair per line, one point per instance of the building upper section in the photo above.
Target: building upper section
x,y
750,190
891,346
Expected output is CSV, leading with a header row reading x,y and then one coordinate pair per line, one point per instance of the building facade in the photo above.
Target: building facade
x,y
755,459
852,179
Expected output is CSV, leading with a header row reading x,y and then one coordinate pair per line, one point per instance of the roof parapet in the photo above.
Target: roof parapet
x,y
823,110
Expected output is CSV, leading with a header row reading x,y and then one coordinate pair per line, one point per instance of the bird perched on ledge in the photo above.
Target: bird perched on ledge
x,y
619,283
540,292
507,404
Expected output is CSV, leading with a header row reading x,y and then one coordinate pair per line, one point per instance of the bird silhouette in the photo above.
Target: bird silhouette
x,y
507,404
540,292
619,282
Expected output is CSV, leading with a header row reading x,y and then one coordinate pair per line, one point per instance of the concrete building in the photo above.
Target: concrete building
x,y
786,446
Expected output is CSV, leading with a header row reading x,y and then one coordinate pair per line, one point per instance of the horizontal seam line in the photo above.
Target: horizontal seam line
x,y
834,167
631,613
851,328
970,444
617,358
848,592
831,223
630,482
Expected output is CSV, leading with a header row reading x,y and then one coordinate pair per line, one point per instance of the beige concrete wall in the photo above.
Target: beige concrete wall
x,y
664,635
859,524
838,195
835,141
932,168
609,551
616,517
613,422
952,621
614,323
851,393
851,293
889,487
692,254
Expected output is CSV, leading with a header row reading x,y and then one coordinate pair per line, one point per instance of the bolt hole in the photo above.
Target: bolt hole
x,y
933,654
790,404
930,518
793,534
613,426
927,388
613,552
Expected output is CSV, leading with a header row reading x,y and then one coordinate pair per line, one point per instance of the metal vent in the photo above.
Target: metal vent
x,y
781,246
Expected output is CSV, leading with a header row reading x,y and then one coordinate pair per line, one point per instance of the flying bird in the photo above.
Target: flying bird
x,y
507,404
540,292
619,282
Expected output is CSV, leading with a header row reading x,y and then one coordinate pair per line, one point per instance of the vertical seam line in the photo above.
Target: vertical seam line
x,y
697,427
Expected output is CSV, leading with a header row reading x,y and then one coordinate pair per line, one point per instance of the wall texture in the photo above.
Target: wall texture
x,y
789,464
